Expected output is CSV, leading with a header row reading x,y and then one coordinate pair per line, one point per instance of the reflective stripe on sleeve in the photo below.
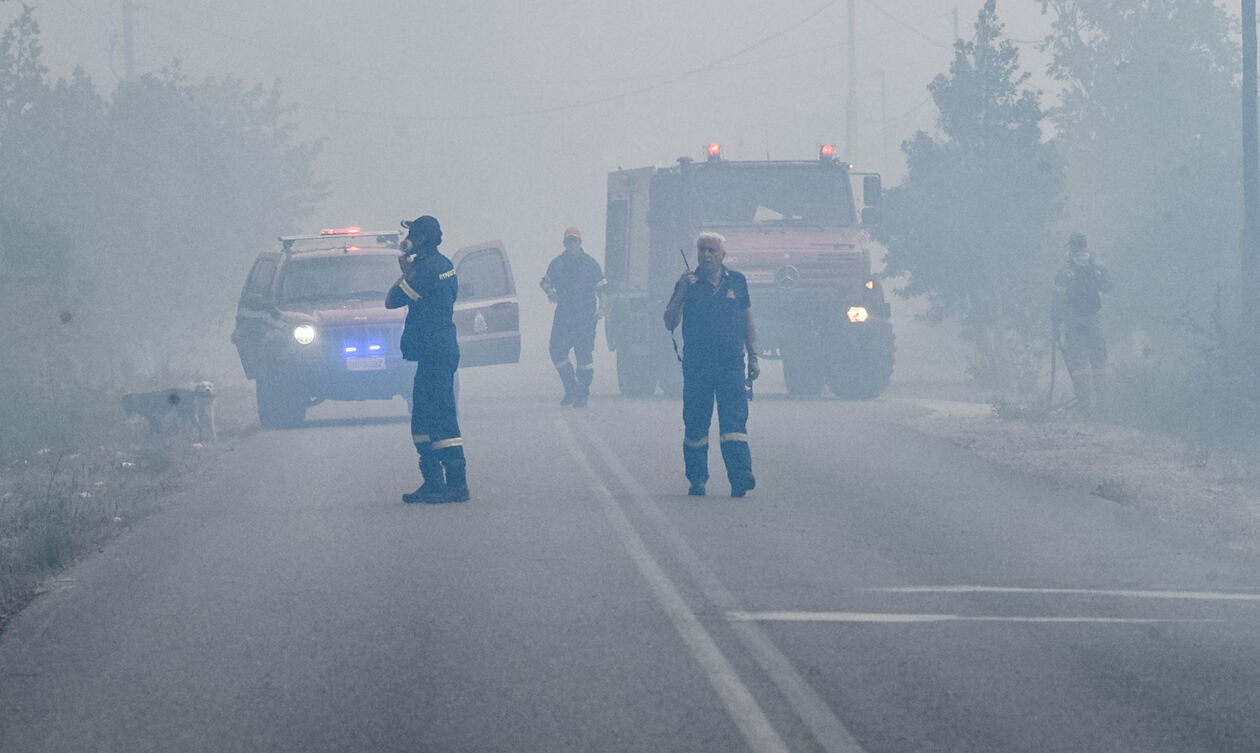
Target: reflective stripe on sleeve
x,y
420,438
734,436
448,274
602,282
701,442
442,444
408,291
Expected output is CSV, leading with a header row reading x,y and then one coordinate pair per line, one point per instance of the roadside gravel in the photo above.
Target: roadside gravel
x,y
1214,492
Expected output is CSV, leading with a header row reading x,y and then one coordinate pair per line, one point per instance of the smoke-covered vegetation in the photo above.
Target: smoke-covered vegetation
x,y
1143,154
128,223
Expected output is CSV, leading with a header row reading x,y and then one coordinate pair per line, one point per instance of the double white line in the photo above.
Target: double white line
x,y
751,721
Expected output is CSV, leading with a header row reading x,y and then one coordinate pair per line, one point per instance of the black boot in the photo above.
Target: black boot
x,y
696,462
738,467
584,376
565,370
456,478
434,487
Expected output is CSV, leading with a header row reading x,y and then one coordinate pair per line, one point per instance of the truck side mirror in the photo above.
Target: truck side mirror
x,y
871,216
871,190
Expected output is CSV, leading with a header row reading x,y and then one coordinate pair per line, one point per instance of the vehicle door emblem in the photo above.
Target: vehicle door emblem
x,y
787,277
479,323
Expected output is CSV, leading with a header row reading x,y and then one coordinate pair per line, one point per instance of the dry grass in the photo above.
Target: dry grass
x,y
58,505
63,500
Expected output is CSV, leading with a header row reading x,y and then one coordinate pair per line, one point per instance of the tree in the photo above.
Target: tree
x,y
128,224
1148,128
168,183
969,223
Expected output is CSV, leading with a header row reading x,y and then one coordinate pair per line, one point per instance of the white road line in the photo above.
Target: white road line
x,y
827,729
913,618
739,703
1125,593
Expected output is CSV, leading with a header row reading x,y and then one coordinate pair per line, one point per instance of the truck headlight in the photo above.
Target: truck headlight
x,y
858,314
304,334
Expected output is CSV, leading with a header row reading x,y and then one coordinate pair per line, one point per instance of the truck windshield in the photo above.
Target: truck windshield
x,y
338,277
758,194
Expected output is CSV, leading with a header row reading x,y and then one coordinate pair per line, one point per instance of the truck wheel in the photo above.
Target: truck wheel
x,y
803,375
669,376
634,375
278,406
863,369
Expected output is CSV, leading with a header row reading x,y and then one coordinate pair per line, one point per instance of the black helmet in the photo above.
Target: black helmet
x,y
425,227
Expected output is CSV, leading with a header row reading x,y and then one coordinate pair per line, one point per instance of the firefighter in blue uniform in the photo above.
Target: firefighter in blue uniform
x,y
428,288
575,283
713,306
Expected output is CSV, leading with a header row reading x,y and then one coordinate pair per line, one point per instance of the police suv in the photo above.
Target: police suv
x,y
311,323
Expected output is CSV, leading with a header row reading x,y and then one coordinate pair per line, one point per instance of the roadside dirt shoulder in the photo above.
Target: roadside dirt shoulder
x,y
1214,492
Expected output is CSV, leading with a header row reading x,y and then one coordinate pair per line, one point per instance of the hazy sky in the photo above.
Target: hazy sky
x,y
503,118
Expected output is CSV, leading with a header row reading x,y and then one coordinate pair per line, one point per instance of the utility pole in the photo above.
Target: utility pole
x,y
883,120
129,63
1250,241
850,109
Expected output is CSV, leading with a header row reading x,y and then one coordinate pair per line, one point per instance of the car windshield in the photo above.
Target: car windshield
x,y
755,195
347,276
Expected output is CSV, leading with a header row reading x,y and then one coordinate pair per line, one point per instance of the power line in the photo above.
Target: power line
x,y
908,27
603,100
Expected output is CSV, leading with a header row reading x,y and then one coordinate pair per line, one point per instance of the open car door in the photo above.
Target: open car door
x,y
487,311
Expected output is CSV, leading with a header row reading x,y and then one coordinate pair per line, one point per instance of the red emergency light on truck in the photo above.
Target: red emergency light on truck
x,y
796,231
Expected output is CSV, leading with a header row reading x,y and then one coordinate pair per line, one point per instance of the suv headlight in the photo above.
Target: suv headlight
x,y
858,314
304,334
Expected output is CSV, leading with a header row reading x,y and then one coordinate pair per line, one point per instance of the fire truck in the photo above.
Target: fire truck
x,y
797,232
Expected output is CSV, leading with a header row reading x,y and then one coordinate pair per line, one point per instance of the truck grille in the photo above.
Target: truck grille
x,y
829,270
814,271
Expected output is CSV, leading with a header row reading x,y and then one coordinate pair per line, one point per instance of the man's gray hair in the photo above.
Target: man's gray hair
x,y
713,237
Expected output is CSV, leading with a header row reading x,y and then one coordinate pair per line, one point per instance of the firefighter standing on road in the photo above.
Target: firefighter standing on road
x,y
1077,322
428,288
575,283
713,306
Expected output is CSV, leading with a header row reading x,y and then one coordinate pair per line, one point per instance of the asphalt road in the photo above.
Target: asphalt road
x,y
878,591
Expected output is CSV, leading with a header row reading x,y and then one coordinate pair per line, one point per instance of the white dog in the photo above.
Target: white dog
x,y
183,407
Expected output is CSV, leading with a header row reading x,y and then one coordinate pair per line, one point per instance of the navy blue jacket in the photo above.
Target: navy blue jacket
x,y
428,292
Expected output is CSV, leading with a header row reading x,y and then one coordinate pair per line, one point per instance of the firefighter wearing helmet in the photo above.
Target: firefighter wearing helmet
x,y
1076,318
428,288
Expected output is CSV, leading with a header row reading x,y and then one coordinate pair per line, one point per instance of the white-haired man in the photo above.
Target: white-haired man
x,y
713,307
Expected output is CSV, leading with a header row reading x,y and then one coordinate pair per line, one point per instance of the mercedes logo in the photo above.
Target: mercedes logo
x,y
787,277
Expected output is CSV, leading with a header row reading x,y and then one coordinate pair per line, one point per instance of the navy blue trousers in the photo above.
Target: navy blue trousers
x,y
703,384
434,425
